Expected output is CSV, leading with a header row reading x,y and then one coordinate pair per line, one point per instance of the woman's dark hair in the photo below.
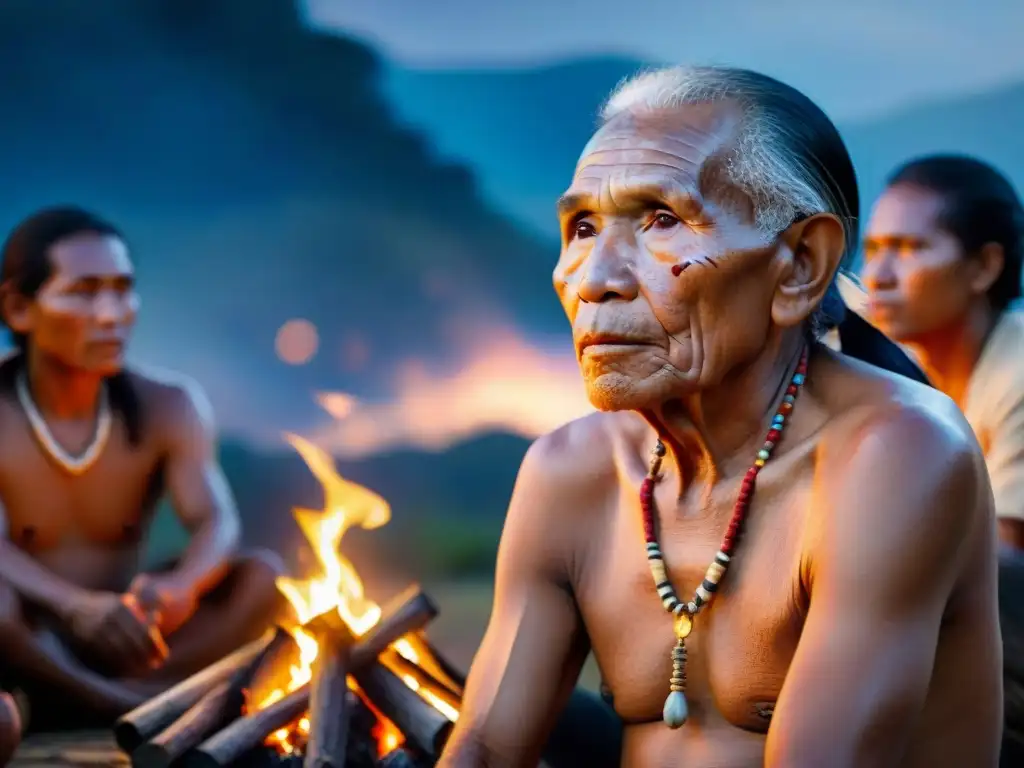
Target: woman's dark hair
x,y
980,206
26,266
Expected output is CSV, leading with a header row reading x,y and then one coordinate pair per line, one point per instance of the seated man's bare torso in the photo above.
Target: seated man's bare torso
x,y
741,650
85,536
88,529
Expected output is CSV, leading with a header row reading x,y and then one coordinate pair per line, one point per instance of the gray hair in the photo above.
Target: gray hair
x,y
789,159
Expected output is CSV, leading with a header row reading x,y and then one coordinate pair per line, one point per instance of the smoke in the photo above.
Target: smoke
x,y
499,382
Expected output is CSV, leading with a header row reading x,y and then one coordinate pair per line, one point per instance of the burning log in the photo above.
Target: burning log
x,y
248,732
404,668
329,698
408,612
401,757
143,722
454,678
423,725
218,707
206,716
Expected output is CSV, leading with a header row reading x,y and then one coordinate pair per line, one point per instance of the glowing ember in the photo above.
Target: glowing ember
x,y
338,587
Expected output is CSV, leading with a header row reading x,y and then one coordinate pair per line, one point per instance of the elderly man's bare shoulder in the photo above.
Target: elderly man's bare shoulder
x,y
888,437
578,463
858,395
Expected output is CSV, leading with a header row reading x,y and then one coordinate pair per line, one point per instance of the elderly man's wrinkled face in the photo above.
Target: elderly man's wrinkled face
x,y
666,290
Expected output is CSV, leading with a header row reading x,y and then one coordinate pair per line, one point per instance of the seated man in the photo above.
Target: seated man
x,y
942,266
87,449
780,556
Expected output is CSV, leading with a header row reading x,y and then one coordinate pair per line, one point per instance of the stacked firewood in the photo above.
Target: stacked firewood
x,y
211,721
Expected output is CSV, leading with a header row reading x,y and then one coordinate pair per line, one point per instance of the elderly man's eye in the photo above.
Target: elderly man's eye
x,y
663,220
583,229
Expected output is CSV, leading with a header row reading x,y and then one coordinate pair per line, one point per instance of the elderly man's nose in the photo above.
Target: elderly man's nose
x,y
609,274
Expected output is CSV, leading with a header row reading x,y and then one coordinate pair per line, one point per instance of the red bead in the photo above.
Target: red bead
x,y
791,389
785,408
773,436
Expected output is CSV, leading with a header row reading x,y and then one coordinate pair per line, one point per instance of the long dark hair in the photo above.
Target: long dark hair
x,y
814,145
26,266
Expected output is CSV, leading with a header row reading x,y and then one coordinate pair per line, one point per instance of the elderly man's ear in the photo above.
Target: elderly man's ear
x,y
807,258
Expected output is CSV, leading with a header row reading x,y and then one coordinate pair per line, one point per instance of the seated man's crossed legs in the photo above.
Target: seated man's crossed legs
x,y
68,687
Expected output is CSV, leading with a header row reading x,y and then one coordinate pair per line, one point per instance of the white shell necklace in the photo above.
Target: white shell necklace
x,y
73,465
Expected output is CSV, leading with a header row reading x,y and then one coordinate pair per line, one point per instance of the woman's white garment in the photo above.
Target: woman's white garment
x,y
994,406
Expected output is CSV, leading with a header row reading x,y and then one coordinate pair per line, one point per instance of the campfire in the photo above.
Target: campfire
x,y
347,684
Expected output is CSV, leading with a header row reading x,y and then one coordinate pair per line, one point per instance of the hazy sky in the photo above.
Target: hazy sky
x,y
857,58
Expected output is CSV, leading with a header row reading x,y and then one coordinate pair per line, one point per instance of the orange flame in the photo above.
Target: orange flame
x,y
338,586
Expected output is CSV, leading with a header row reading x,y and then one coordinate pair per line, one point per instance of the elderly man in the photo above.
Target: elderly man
x,y
778,555
942,265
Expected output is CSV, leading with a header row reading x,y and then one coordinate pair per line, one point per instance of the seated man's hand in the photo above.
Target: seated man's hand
x,y
118,629
161,597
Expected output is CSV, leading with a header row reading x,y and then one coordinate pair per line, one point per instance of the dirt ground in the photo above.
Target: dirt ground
x,y
69,750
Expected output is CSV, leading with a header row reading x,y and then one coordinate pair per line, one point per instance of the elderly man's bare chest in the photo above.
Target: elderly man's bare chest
x,y
741,645
45,506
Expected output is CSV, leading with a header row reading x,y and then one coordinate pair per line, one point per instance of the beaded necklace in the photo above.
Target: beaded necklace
x,y
676,709
73,465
